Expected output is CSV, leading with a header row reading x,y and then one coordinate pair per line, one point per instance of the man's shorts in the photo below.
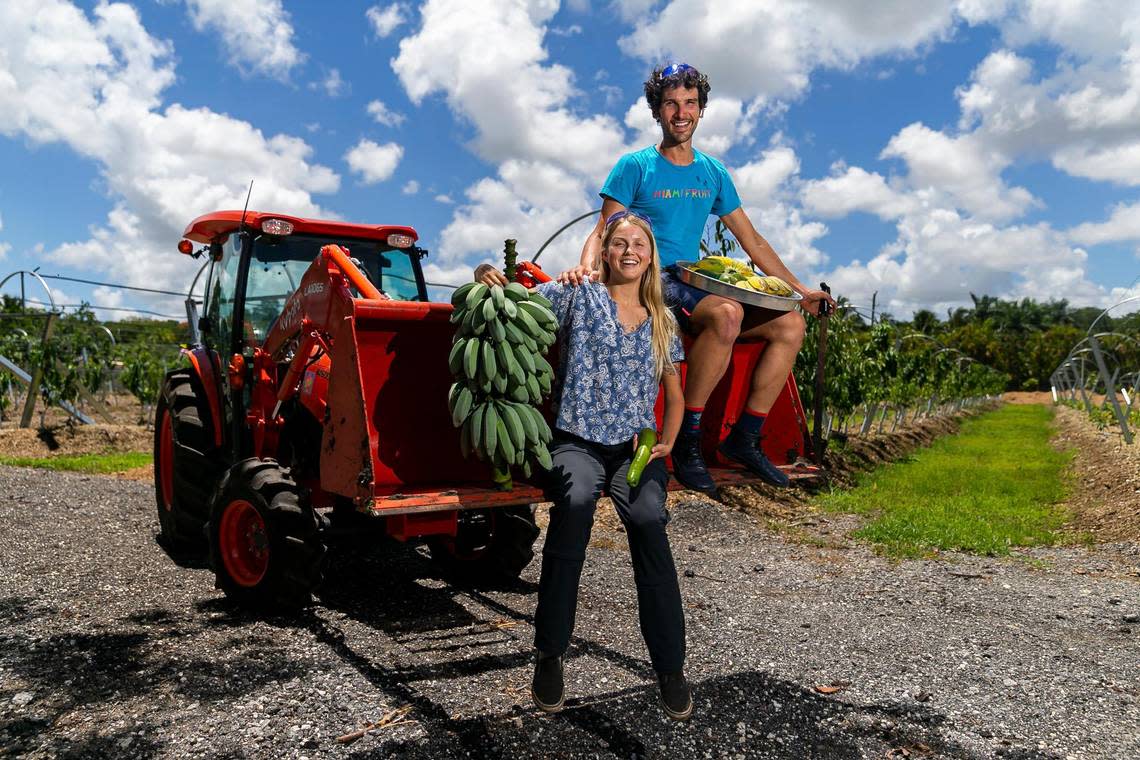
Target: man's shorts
x,y
681,298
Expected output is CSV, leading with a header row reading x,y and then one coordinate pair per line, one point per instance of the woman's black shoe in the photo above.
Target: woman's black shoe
x,y
675,695
546,688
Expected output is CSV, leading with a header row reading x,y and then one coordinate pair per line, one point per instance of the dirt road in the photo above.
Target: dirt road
x,y
795,649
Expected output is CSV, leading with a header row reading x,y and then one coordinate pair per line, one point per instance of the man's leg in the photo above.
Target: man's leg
x,y
715,322
784,332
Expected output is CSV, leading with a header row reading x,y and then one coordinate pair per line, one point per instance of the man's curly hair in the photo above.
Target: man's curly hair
x,y
656,86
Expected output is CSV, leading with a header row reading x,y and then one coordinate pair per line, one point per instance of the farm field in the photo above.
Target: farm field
x,y
802,640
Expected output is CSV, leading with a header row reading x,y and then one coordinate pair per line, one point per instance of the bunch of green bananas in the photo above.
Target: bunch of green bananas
x,y
501,374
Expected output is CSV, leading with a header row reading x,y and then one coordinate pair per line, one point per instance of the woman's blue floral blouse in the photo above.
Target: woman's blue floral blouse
x,y
606,384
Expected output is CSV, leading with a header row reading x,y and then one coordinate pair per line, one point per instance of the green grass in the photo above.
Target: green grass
x,y
95,463
995,485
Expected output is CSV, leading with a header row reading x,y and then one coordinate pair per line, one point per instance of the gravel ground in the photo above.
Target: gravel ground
x,y
796,649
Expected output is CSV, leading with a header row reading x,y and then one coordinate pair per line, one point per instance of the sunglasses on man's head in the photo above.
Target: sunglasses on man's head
x,y
623,214
674,69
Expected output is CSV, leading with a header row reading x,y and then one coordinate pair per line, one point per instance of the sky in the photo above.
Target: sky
x,y
917,152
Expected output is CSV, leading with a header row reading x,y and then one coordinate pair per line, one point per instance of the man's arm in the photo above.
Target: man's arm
x,y
765,257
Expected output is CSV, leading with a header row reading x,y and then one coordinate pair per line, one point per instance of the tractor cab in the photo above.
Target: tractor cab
x,y
255,267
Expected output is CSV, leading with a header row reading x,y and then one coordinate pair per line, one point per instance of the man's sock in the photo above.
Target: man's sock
x,y
691,421
750,424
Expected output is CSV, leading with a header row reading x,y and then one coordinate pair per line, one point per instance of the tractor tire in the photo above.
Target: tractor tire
x,y
491,547
186,467
265,544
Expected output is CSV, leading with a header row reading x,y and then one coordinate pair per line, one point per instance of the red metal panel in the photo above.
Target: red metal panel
x,y
206,228
205,364
349,439
403,351
412,525
783,432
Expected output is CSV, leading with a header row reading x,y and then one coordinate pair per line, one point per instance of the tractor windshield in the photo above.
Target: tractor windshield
x,y
279,263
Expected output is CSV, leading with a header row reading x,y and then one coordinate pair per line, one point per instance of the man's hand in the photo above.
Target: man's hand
x,y
812,299
488,275
579,275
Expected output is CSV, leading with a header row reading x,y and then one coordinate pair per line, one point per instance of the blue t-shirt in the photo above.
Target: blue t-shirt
x,y
606,383
676,199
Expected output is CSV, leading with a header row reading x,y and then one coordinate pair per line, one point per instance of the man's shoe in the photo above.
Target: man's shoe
x,y
675,695
546,687
738,449
689,466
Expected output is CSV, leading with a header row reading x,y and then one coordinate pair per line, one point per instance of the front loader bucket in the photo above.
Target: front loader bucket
x,y
389,430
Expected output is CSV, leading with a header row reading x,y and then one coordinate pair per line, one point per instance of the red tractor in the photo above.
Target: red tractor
x,y
314,405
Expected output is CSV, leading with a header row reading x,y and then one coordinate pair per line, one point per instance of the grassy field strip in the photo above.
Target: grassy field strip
x,y
96,463
996,485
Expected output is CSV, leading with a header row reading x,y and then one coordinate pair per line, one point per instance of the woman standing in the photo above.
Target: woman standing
x,y
618,345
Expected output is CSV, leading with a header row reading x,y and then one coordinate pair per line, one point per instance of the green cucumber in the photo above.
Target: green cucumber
x,y
646,440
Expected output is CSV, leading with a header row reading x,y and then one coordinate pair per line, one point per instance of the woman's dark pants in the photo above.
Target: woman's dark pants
x,y
581,471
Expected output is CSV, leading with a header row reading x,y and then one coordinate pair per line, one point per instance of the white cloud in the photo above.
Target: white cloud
x,y
964,168
1082,115
546,154
257,34
528,117
384,115
95,85
528,201
1123,224
1112,163
757,182
566,31
444,198
385,20
633,10
851,188
941,257
411,187
332,84
373,162
750,47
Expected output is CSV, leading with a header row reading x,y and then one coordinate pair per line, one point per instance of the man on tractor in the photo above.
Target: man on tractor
x,y
676,187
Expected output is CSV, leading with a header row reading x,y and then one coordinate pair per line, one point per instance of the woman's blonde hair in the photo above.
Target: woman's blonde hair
x,y
662,321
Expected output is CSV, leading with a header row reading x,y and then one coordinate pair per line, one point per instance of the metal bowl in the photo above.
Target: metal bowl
x,y
750,297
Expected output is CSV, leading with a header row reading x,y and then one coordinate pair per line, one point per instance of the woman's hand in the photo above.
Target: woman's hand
x,y
578,275
488,275
661,449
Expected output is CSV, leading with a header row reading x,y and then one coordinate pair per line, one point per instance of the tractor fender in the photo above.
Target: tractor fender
x,y
204,363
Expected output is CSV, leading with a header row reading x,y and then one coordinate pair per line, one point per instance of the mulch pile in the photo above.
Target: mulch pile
x,y
1104,498
1104,493
72,440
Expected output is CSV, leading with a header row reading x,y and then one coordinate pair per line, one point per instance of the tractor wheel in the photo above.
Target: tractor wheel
x,y
186,468
491,546
265,543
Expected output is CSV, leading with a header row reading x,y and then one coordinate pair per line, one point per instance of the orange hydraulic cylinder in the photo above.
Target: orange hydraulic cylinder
x,y
339,257
300,359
